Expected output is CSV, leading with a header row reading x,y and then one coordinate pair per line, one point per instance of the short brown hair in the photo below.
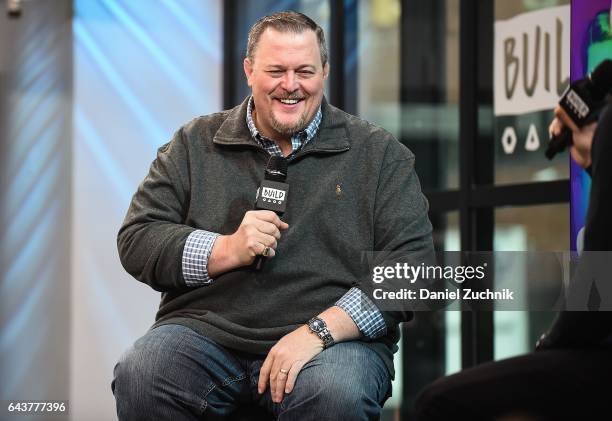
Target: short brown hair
x,y
288,21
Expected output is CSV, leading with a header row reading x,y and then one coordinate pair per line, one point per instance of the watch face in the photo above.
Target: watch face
x,y
317,325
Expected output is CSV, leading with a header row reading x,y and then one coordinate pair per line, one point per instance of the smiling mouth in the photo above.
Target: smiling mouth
x,y
288,101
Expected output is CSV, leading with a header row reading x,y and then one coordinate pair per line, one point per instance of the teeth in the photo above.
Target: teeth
x,y
289,101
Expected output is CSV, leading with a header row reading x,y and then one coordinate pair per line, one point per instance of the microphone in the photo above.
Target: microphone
x,y
582,101
272,192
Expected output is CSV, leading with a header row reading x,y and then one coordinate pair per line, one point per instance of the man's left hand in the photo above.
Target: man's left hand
x,y
285,361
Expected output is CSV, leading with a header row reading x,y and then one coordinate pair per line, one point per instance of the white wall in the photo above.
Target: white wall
x,y
35,161
141,69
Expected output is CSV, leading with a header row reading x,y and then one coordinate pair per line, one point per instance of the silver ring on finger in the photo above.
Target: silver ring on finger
x,y
266,251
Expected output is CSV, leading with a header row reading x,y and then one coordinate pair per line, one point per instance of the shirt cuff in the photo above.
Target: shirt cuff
x,y
364,313
197,250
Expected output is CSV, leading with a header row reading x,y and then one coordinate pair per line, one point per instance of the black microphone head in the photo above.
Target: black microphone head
x,y
584,98
601,77
276,169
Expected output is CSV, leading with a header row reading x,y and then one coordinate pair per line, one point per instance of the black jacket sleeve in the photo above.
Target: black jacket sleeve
x,y
576,328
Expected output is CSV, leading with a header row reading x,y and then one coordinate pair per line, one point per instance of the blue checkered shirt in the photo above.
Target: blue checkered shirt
x,y
199,244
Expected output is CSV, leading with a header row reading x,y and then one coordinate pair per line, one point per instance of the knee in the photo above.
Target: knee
x,y
347,381
352,400
334,398
143,377
144,366
132,382
130,370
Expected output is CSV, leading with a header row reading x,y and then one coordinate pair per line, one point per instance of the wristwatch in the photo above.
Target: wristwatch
x,y
318,327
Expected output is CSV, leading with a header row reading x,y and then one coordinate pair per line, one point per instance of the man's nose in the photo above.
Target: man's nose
x,y
289,82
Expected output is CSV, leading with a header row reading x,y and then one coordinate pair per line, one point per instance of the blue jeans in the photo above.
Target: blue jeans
x,y
173,373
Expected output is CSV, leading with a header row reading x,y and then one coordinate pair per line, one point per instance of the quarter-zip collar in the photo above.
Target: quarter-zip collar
x,y
331,137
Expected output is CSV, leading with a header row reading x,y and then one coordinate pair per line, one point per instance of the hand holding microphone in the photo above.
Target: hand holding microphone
x,y
580,138
258,231
272,196
578,109
257,236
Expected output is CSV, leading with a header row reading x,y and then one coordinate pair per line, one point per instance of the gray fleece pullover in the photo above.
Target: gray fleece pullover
x,y
353,188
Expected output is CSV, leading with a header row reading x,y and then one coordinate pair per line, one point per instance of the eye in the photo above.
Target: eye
x,y
275,73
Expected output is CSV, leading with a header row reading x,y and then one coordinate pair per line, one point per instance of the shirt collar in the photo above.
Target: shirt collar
x,y
298,139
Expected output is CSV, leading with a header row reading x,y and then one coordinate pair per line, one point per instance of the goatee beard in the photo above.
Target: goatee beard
x,y
289,129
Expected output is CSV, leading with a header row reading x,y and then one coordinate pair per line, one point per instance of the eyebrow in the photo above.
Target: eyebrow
x,y
280,67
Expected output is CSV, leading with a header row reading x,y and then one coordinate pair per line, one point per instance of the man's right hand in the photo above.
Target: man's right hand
x,y
259,229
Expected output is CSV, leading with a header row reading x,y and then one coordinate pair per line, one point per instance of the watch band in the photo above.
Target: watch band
x,y
318,327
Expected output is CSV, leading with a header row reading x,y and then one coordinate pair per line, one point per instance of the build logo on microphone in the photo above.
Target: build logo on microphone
x,y
272,195
269,194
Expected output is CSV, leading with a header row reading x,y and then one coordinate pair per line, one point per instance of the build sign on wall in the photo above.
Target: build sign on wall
x,y
531,72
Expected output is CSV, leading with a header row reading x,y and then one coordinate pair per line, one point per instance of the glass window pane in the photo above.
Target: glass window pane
x,y
447,238
452,319
408,80
541,228
533,228
431,343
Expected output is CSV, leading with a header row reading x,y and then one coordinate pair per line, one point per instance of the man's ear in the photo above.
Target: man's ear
x,y
326,70
248,70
